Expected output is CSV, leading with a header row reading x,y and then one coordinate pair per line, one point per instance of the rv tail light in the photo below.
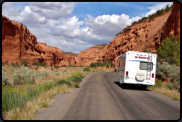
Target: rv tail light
x,y
126,73
152,75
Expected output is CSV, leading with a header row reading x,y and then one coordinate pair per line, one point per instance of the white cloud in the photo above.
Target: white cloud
x,y
109,25
158,6
52,10
9,10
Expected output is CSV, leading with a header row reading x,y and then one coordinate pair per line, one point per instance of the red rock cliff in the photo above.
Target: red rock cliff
x,y
149,35
85,58
18,44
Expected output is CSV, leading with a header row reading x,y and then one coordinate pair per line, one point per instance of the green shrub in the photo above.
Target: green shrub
x,y
56,67
37,63
158,83
86,69
170,50
4,77
160,12
173,85
152,16
24,63
64,71
145,50
23,76
63,81
77,86
40,63
12,64
92,65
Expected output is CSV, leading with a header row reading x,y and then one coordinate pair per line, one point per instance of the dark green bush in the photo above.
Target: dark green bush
x,y
56,67
12,64
169,50
86,69
77,86
63,81
40,63
24,62
152,16
92,65
145,50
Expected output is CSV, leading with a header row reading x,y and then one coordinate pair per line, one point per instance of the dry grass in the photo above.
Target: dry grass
x,y
44,99
170,93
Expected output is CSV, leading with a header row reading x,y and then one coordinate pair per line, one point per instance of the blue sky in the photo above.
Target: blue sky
x,y
77,26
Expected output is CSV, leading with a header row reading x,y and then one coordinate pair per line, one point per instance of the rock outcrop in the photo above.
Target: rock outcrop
x,y
85,58
18,44
149,35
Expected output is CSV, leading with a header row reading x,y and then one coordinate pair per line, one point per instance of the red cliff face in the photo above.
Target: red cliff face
x,y
18,44
172,25
85,58
149,35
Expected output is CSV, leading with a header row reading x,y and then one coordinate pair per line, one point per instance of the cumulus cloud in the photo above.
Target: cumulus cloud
x,y
52,10
109,25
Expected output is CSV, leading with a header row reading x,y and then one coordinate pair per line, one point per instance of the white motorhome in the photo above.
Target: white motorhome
x,y
134,67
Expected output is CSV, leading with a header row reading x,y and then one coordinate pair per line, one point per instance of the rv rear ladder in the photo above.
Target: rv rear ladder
x,y
149,65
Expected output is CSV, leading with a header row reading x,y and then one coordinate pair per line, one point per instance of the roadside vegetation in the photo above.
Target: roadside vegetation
x,y
152,16
168,68
27,88
107,63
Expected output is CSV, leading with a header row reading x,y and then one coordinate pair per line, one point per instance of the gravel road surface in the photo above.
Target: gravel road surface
x,y
101,98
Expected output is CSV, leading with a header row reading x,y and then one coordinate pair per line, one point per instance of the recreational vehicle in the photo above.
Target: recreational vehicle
x,y
135,67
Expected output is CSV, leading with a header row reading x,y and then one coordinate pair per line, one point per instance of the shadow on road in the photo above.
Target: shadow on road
x,y
131,87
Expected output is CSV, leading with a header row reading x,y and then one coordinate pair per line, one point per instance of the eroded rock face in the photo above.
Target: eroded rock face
x,y
18,44
85,58
149,35
68,60
173,23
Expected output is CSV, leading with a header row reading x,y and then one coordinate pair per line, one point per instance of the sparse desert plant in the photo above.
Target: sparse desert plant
x,y
23,76
64,71
4,77
57,73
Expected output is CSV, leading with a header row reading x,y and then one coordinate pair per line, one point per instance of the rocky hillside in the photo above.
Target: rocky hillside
x,y
85,58
148,34
18,44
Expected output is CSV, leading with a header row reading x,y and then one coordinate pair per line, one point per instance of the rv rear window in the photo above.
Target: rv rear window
x,y
143,65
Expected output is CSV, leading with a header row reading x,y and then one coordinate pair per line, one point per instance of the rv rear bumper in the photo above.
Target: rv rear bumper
x,y
134,81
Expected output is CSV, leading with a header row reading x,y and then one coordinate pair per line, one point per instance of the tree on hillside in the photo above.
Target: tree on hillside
x,y
170,50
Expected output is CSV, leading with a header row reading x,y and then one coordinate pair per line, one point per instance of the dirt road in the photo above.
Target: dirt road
x,y
101,98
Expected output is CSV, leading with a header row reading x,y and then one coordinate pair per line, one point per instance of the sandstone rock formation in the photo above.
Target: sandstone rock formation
x,y
85,58
18,44
149,35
